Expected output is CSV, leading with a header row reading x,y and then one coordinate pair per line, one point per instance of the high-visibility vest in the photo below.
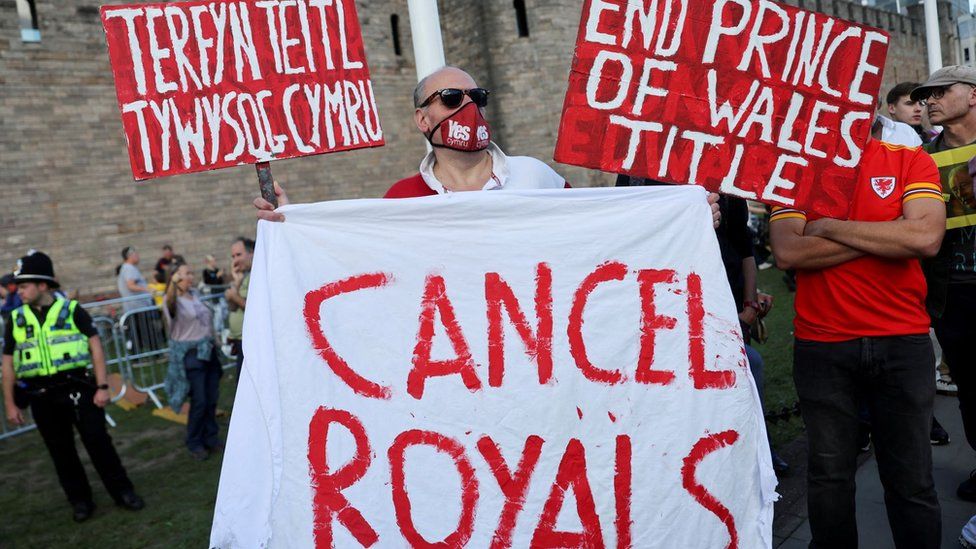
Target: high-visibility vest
x,y
49,348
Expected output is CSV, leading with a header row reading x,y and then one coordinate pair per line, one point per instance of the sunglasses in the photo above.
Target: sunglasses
x,y
452,97
939,93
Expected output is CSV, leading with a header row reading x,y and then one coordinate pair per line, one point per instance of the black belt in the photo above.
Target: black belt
x,y
42,384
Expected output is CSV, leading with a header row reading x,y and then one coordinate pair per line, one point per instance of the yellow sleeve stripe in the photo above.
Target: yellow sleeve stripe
x,y
787,214
924,185
894,147
926,194
921,191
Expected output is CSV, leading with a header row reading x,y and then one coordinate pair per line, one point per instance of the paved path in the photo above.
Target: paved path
x,y
952,464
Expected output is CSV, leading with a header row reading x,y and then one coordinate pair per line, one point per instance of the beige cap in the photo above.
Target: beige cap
x,y
946,76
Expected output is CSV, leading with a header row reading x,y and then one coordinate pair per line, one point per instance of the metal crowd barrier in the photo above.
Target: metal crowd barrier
x,y
136,346
145,349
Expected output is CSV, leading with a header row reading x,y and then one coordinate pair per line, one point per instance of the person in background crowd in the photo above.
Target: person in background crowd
x,y
157,288
131,282
11,299
949,96
902,108
163,264
194,362
242,255
143,331
62,393
862,333
898,133
212,274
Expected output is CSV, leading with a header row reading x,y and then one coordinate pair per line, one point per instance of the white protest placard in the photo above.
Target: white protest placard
x,y
495,369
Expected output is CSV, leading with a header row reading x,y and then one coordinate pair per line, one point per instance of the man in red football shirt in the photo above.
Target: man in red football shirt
x,y
862,332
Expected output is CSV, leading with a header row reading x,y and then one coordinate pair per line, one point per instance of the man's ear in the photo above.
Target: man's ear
x,y
420,118
891,109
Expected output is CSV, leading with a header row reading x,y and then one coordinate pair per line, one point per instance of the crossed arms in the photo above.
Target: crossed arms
x,y
799,244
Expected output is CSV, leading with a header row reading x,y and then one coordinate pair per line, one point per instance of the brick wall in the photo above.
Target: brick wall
x,y
66,187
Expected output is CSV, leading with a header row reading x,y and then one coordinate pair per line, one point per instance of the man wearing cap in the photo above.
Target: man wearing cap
x,y
48,345
950,99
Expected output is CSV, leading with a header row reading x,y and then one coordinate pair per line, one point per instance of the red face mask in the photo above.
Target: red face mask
x,y
464,130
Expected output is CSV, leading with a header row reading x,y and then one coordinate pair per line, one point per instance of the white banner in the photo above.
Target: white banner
x,y
508,369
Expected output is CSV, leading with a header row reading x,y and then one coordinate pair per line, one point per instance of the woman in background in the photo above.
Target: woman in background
x,y
194,363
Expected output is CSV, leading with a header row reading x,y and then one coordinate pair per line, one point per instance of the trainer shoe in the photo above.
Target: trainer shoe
x,y
82,510
967,488
945,386
938,436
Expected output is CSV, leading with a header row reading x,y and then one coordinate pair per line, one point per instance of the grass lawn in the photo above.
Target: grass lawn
x,y
777,354
180,492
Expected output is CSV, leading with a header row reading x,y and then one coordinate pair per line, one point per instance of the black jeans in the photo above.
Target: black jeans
x,y
204,380
57,412
894,377
956,331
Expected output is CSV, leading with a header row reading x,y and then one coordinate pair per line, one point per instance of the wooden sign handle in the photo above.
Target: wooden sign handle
x,y
266,182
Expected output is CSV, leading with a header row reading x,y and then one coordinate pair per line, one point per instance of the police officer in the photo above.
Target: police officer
x,y
49,343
